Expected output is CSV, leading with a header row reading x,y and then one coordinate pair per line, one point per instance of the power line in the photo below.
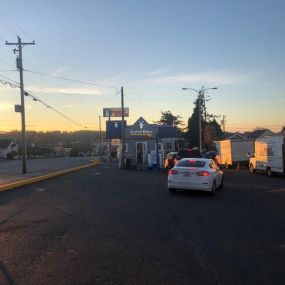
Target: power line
x,y
8,27
12,85
25,33
73,80
10,80
7,70
220,98
255,124
12,21
36,99
9,83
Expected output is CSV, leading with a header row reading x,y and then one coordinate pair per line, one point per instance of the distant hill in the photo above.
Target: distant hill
x,y
55,138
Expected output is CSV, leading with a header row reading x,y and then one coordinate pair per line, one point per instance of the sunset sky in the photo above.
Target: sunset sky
x,y
151,47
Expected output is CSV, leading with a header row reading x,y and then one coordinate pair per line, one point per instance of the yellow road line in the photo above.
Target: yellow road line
x,y
27,181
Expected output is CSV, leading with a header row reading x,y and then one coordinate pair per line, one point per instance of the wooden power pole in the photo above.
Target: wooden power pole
x,y
19,61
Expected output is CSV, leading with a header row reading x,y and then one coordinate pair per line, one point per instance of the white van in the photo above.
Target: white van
x,y
269,155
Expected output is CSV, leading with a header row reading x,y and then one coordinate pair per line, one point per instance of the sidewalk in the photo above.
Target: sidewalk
x,y
11,175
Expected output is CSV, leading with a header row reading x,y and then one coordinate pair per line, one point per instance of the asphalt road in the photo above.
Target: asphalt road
x,y
11,170
108,226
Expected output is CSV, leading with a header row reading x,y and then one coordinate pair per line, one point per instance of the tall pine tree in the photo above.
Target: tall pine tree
x,y
208,124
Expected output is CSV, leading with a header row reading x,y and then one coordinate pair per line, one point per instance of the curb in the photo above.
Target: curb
x,y
28,181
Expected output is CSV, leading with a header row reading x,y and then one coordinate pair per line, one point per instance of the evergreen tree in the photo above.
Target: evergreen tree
x,y
167,118
210,128
193,127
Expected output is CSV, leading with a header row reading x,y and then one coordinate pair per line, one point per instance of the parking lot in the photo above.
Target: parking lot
x,y
103,225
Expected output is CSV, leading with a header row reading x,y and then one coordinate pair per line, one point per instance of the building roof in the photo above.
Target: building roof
x,y
167,131
232,136
259,133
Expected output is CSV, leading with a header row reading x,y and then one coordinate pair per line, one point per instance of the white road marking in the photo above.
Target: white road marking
x,y
40,189
276,190
270,191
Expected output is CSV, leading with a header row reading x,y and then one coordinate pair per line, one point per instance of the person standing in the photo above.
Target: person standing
x,y
217,158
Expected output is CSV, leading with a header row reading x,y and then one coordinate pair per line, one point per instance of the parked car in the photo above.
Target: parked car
x,y
195,174
187,153
169,159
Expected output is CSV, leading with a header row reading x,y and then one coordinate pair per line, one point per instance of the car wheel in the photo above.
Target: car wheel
x,y
213,191
172,190
251,169
222,184
269,172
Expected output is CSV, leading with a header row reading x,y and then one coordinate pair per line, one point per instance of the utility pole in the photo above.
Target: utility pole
x,y
201,97
101,145
19,62
200,119
223,122
123,130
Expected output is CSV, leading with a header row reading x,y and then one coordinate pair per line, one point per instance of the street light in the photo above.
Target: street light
x,y
201,95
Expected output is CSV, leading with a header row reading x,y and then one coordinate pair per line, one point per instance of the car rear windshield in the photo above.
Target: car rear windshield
x,y
191,163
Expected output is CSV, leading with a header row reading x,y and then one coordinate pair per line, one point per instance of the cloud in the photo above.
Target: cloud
x,y
60,70
206,78
216,78
66,90
156,72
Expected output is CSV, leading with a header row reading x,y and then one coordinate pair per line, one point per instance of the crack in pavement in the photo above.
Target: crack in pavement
x,y
199,256
12,216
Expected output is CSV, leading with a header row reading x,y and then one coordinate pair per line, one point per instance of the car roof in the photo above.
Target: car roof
x,y
189,152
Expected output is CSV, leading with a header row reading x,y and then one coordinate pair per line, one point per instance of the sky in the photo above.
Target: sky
x,y
152,48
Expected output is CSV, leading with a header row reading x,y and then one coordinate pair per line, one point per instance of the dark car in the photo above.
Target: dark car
x,y
187,153
210,154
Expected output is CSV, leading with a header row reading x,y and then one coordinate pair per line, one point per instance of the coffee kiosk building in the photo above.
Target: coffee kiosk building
x,y
144,141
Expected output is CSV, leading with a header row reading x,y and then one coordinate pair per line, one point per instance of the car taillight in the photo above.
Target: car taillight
x,y
172,172
203,173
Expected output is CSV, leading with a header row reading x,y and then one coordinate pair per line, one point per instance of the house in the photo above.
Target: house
x,y
145,144
8,148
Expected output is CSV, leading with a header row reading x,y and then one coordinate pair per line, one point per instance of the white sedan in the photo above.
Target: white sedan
x,y
196,174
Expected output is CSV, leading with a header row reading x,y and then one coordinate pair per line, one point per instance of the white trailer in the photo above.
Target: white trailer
x,y
269,155
234,151
224,150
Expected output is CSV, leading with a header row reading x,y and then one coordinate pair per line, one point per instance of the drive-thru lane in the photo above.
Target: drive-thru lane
x,y
102,225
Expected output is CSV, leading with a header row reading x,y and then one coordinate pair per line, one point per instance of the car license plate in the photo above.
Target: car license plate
x,y
186,174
